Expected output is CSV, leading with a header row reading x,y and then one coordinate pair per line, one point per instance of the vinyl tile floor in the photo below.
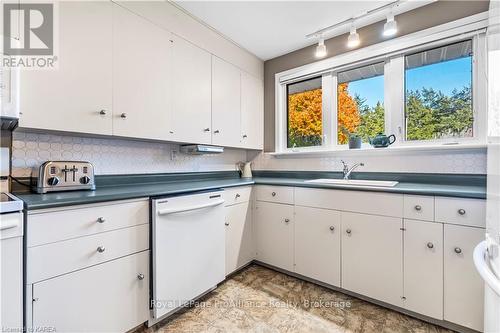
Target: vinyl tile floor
x,y
258,299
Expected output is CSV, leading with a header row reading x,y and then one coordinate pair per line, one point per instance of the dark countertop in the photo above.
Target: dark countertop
x,y
142,186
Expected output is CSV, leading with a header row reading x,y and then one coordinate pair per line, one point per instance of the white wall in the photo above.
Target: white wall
x,y
113,156
429,162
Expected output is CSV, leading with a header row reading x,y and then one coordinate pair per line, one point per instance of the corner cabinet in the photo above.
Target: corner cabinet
x,y
77,96
252,112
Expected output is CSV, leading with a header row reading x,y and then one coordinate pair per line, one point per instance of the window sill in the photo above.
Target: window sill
x,y
392,150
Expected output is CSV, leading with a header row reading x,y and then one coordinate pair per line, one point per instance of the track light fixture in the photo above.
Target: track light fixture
x,y
321,48
391,26
353,39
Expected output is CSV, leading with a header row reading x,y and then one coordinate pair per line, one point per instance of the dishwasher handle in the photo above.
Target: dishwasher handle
x,y
189,208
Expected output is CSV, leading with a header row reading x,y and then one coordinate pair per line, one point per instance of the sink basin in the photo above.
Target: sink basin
x,y
354,182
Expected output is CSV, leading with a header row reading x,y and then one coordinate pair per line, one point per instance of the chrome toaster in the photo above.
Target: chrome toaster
x,y
55,176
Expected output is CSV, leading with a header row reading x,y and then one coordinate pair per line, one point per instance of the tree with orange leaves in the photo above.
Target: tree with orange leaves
x,y
347,114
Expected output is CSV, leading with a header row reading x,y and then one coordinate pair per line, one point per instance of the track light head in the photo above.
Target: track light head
x,y
390,27
353,39
320,48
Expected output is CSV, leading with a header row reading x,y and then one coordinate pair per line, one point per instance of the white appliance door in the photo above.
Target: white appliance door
x,y
188,249
487,255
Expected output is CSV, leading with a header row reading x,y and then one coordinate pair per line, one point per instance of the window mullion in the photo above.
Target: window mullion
x,y
394,86
328,103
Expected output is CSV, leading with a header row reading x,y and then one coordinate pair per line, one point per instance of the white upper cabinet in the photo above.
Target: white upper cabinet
x,y
226,99
76,97
191,92
252,112
142,56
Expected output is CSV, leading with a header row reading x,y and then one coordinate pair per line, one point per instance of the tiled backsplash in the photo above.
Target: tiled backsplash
x,y
125,156
417,162
113,156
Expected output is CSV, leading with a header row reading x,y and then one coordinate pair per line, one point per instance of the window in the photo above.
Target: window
x,y
438,94
305,113
360,102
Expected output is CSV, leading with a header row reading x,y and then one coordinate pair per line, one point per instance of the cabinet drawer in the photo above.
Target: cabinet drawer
x,y
279,194
418,207
461,211
237,195
386,204
54,259
54,226
111,297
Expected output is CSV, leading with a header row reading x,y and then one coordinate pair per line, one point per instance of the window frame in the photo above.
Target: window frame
x,y
394,94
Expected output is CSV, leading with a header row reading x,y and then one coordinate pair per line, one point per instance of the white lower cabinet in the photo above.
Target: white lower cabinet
x,y
110,297
423,267
239,238
274,234
317,244
372,256
463,287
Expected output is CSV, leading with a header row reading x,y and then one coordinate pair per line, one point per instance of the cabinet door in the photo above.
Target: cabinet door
x,y
141,77
252,112
317,244
191,92
225,103
71,97
239,239
274,234
372,256
423,267
463,287
110,297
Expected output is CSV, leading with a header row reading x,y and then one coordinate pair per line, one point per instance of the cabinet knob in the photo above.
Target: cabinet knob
x,y
226,224
287,220
348,231
140,276
123,115
273,194
216,132
245,136
101,219
102,112
238,195
458,250
206,129
461,211
430,245
332,228
101,249
418,208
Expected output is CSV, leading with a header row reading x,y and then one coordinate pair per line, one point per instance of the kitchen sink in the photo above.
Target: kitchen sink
x,y
354,182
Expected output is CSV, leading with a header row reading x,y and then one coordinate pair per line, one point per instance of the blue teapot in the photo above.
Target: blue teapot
x,y
382,140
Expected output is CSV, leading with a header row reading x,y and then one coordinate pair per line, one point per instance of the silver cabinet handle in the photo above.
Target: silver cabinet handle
x,y
458,250
238,195
102,112
216,132
206,129
348,231
430,245
287,220
273,194
418,208
123,115
332,228
101,249
140,276
101,219
461,211
226,224
245,136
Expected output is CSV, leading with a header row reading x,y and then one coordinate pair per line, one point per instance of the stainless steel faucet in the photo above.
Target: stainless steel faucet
x,y
347,171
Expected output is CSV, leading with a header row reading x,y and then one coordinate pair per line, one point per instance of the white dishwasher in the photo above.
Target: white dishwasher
x,y
188,238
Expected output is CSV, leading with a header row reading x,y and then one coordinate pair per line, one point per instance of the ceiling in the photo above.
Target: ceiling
x,y
272,28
